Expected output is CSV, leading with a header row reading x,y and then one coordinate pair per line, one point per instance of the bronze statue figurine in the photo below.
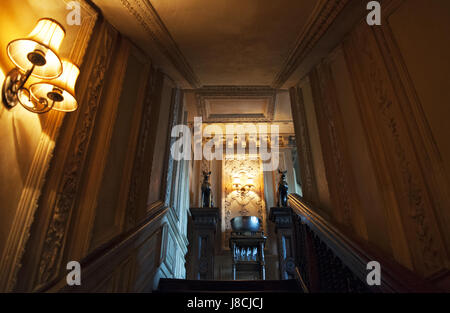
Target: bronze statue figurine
x,y
282,190
207,199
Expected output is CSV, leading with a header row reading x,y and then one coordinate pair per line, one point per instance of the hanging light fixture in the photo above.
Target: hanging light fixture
x,y
37,55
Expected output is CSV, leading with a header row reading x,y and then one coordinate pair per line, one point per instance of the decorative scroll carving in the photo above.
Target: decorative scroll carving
x,y
381,110
339,174
309,187
150,21
56,232
28,203
426,146
320,20
136,176
234,203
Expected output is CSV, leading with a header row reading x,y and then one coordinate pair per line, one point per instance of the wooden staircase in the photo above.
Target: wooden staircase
x,y
227,286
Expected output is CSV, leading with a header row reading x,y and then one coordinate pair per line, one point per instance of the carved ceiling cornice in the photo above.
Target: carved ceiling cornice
x,y
149,20
209,93
323,16
247,140
319,22
239,90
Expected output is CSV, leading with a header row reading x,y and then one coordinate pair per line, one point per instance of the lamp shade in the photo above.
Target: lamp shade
x,y
61,89
39,48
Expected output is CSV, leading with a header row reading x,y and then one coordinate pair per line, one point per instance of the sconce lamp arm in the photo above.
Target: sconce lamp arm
x,y
44,103
14,86
23,79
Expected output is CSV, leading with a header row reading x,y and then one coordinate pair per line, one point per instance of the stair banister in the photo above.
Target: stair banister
x,y
344,248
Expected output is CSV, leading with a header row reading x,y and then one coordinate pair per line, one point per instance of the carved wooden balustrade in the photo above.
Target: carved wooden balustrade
x,y
330,261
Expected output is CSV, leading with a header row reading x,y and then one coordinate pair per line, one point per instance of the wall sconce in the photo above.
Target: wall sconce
x,y
37,55
243,188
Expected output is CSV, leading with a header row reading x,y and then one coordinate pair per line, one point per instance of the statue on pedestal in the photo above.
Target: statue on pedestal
x,y
282,190
207,200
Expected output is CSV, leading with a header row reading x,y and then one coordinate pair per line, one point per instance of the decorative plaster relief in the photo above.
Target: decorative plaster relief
x,y
259,98
235,203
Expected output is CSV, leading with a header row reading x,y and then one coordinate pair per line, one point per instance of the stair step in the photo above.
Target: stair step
x,y
224,286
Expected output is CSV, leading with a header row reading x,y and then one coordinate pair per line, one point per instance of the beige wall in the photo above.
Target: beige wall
x,y
324,201
21,129
387,87
157,171
426,56
112,192
107,171
366,184
28,139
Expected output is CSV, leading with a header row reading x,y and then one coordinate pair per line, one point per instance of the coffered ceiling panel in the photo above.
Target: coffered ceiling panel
x,y
225,104
232,103
237,110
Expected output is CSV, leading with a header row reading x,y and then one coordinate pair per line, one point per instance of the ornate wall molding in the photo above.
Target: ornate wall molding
x,y
383,103
175,103
309,186
211,93
149,20
55,238
28,203
332,136
319,22
88,20
173,245
233,203
139,162
96,188
427,150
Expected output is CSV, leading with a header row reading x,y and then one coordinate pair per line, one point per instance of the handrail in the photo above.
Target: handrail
x,y
106,257
355,253
301,283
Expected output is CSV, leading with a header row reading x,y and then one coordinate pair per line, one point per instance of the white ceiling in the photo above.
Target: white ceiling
x,y
234,42
233,110
213,42
204,44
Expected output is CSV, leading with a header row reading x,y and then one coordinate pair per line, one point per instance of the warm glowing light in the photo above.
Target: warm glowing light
x,y
61,88
243,182
39,48
49,33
